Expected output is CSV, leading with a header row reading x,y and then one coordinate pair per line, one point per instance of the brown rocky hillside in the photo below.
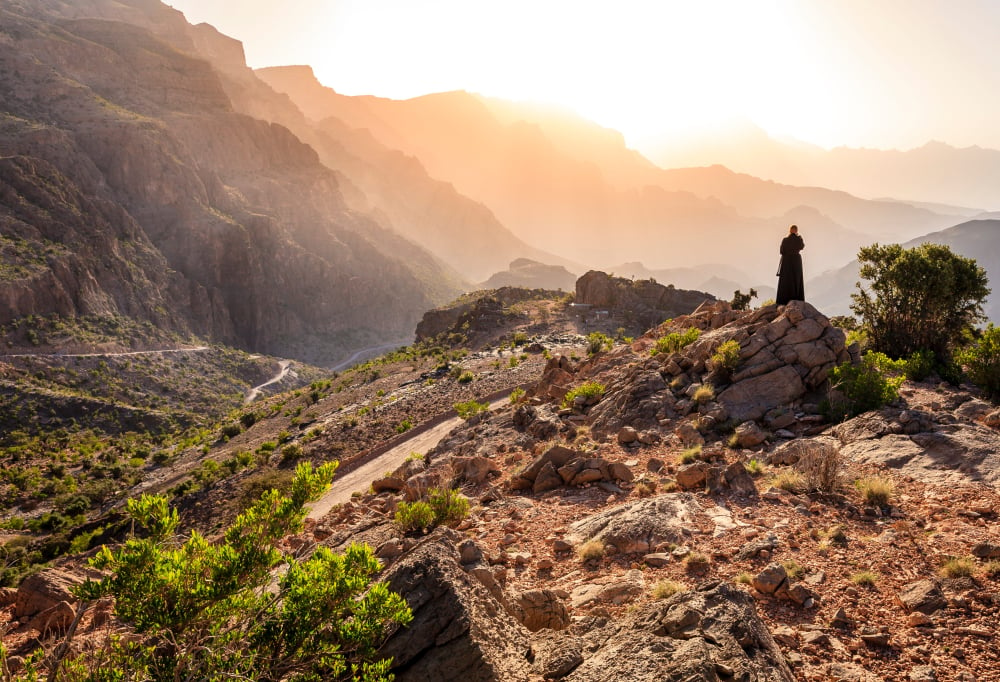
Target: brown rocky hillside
x,y
132,186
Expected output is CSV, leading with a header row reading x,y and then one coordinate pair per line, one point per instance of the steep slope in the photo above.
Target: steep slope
x,y
979,239
156,199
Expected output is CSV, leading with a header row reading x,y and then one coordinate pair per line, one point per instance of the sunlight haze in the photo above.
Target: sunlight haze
x,y
888,74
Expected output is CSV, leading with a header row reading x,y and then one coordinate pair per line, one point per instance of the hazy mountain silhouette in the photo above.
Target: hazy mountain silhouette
x,y
978,239
935,172
573,188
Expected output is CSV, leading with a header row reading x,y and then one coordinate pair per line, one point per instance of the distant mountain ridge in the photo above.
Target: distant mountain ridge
x,y
573,188
934,172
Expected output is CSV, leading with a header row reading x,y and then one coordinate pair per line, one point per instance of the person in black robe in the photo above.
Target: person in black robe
x,y
790,283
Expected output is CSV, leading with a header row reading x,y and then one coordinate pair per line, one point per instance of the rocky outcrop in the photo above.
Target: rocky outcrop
x,y
643,526
643,302
708,634
561,466
530,274
44,591
459,631
482,311
785,355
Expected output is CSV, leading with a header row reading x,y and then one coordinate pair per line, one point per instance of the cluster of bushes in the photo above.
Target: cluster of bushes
x,y
675,341
443,506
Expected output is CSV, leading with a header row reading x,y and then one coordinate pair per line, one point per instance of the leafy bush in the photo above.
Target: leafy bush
x,y
982,361
675,341
517,395
588,389
922,298
470,408
231,430
414,516
290,453
209,601
919,365
404,425
449,505
865,386
466,377
597,342
741,301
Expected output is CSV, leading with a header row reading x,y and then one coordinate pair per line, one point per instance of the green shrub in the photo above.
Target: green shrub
x,y
754,467
864,578
209,600
291,452
741,301
704,394
689,455
231,430
519,339
919,365
865,386
466,377
517,395
982,361
414,516
597,342
589,389
470,408
675,341
449,505
404,425
727,356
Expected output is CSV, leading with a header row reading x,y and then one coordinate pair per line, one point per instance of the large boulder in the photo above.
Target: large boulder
x,y
459,632
641,526
703,635
44,590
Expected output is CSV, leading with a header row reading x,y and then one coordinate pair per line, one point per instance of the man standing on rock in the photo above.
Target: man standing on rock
x,y
790,283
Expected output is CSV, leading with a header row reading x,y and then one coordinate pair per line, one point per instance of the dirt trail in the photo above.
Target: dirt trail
x,y
366,353
361,477
254,392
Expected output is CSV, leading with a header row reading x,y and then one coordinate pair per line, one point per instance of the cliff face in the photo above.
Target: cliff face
x,y
130,185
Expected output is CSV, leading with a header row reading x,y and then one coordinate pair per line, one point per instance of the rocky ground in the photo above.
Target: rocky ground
x,y
645,534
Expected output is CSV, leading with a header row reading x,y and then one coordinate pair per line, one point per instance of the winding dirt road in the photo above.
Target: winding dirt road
x,y
254,392
360,478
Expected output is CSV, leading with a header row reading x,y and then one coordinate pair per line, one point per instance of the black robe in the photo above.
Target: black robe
x,y
790,284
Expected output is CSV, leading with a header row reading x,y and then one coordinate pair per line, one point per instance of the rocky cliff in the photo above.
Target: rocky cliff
x,y
132,186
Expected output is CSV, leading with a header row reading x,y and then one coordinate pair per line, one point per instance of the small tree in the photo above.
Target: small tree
x,y
922,298
982,360
203,610
741,301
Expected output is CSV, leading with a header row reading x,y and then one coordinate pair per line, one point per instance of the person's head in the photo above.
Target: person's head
x,y
794,229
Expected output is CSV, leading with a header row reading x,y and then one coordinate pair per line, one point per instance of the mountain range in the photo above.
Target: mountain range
x,y
146,171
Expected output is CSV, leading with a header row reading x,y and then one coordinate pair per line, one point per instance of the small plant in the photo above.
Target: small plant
x,y
517,395
470,408
754,467
597,342
865,578
794,569
645,488
404,425
591,550
741,301
865,386
875,490
414,516
588,390
982,361
744,578
675,341
696,562
691,454
836,535
466,377
790,480
520,338
919,365
704,394
958,567
232,430
821,466
449,505
664,589
727,356
290,453
992,569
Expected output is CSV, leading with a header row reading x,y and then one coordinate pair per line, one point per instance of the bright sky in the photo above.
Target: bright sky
x,y
875,73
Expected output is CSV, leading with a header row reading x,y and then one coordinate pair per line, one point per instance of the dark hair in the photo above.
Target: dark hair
x,y
793,228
